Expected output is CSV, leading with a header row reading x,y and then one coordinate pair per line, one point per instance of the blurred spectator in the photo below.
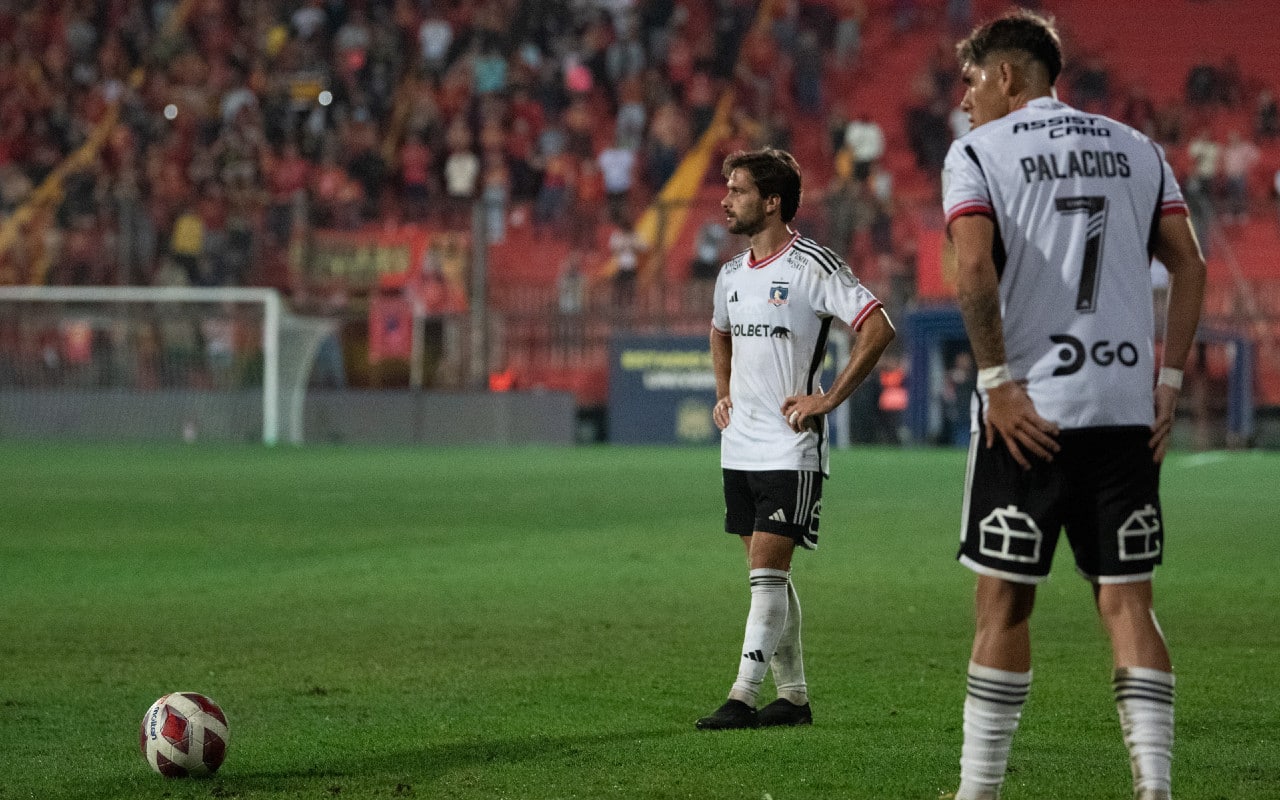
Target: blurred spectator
x,y
366,165
1266,120
1201,186
435,36
627,248
1091,85
1205,153
806,73
1238,159
840,203
629,125
893,398
135,235
588,203
580,129
1139,111
186,244
905,14
489,71
958,384
415,178
668,139
625,57
571,285
1170,123
881,197
617,167
461,176
571,298
1201,85
555,196
851,15
837,123
959,17
1230,86
708,251
495,194
701,100
928,131
81,261
865,141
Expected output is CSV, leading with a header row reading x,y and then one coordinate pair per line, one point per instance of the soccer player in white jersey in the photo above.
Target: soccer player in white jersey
x,y
1054,215
774,304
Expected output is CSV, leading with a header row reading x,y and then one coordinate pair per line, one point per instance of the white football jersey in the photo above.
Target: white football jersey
x,y
1075,198
778,312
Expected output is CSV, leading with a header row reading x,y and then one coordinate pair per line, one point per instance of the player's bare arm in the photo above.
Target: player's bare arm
x,y
1009,412
870,342
721,361
1178,250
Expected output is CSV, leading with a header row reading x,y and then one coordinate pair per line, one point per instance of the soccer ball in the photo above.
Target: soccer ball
x,y
183,734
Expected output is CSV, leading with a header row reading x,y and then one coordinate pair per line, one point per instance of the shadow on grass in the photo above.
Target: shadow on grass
x,y
392,773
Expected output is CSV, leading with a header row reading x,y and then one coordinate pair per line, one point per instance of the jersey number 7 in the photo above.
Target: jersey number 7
x,y
1095,207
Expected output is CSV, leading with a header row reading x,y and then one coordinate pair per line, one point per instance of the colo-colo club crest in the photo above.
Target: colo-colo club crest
x,y
778,294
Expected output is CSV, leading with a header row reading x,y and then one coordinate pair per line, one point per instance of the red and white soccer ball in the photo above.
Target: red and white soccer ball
x,y
183,734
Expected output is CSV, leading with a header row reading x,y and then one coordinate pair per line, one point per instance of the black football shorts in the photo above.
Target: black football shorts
x,y
785,502
1102,487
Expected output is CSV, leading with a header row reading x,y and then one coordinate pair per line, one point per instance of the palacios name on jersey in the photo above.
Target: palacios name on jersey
x,y
1079,164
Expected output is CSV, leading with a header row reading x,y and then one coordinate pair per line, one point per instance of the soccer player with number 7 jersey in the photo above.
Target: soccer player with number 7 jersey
x,y
1054,215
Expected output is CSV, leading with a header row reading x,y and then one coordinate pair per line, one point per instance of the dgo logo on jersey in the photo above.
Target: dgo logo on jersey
x,y
1073,354
778,294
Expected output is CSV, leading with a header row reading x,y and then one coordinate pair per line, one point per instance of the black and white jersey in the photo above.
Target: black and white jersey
x,y
1075,198
779,311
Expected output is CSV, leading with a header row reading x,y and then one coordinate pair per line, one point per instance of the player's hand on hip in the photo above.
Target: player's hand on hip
x,y
720,413
803,411
1011,414
1166,405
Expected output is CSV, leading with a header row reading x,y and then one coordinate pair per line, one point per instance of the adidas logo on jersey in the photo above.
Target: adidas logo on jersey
x,y
754,655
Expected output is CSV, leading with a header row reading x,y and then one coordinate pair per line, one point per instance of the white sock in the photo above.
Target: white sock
x,y
992,708
1144,698
788,661
765,622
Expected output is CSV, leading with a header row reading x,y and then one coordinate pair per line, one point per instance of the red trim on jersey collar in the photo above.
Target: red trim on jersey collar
x,y
766,262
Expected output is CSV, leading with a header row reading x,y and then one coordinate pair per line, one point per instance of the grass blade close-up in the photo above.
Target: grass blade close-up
x,y
543,623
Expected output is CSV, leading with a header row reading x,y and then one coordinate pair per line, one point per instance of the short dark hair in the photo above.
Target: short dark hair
x,y
1021,30
774,171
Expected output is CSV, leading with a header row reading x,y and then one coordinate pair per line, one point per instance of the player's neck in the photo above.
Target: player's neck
x,y
770,240
1032,93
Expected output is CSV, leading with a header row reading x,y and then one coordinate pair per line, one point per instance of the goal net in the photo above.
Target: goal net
x,y
160,363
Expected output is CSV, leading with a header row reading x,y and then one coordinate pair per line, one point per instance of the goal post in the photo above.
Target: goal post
x,y
154,362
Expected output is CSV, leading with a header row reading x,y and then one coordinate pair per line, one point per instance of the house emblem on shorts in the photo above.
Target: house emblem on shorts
x,y
1139,536
778,294
1010,535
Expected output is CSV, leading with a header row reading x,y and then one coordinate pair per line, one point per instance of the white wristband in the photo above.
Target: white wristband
x,y
1170,377
991,377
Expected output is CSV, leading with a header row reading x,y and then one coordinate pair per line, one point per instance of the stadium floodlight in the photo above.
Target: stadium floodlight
x,y
154,362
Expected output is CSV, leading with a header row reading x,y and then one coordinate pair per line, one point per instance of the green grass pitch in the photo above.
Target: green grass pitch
x,y
547,623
